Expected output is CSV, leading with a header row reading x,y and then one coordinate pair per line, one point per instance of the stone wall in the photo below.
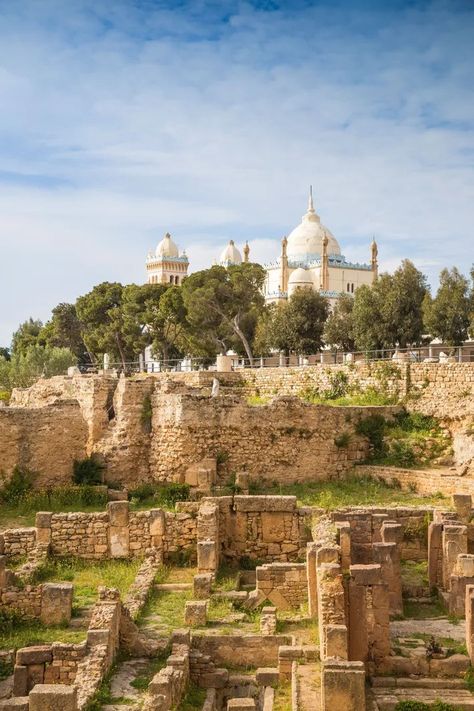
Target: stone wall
x,y
241,650
422,481
283,584
96,536
44,440
286,440
156,427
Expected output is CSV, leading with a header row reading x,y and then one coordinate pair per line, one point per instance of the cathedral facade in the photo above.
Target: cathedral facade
x,y
311,259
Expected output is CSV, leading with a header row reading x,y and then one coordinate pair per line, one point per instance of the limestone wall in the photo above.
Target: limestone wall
x,y
44,440
422,481
241,650
287,440
18,542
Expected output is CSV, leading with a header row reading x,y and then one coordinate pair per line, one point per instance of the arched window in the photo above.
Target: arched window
x,y
171,279
348,287
176,280
352,288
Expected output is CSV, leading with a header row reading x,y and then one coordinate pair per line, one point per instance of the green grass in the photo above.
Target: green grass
x,y
282,699
226,579
169,606
193,699
87,575
454,646
354,490
24,633
423,611
414,572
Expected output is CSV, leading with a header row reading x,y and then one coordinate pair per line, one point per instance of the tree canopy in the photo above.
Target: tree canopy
x,y
449,314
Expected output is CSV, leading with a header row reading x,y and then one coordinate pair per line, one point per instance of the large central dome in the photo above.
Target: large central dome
x,y
305,240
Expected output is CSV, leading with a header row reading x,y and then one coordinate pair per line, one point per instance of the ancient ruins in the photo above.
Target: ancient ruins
x,y
241,600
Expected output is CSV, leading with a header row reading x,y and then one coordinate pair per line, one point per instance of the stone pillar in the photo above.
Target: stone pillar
x,y
387,555
157,528
435,555
462,576
344,535
377,524
369,622
311,550
43,527
56,603
454,542
470,621
202,586
195,613
207,557
118,529
343,686
463,505
53,697
336,642
268,620
223,364
331,602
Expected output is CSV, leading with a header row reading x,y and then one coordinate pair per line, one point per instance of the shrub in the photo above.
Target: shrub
x,y
143,491
339,384
342,440
401,454
373,428
88,471
17,487
171,493
415,422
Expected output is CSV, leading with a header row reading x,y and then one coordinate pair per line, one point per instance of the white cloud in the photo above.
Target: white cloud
x,y
122,121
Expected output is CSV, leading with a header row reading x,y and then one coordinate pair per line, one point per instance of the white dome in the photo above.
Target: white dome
x,y
230,255
300,277
167,248
306,238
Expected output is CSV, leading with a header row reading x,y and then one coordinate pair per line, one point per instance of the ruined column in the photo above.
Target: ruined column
x,y
435,555
344,535
53,697
331,604
43,527
118,529
157,530
462,576
463,505
369,632
454,542
56,603
311,550
470,621
343,686
387,555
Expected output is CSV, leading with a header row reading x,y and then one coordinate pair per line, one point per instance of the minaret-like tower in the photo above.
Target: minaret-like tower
x,y
284,266
375,265
246,251
324,280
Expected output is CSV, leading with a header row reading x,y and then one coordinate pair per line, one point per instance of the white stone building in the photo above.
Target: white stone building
x,y
165,265
311,259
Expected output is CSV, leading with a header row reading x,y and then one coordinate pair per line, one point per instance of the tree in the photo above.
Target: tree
x,y
101,314
367,319
64,330
5,353
401,305
339,328
26,335
222,303
36,361
295,325
390,313
154,314
448,314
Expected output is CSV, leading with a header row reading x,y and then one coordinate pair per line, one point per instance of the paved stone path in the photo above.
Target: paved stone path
x,y
438,627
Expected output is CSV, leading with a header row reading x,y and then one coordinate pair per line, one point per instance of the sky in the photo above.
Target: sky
x,y
122,120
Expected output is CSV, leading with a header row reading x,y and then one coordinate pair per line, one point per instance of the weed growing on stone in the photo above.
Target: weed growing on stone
x,y
193,699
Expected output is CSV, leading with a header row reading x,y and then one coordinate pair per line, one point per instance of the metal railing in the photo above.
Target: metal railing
x,y
429,353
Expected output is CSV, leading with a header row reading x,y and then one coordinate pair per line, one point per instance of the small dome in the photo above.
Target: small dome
x,y
167,248
230,255
300,276
306,239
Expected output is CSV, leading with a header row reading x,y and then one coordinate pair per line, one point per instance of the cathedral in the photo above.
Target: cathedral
x,y
310,258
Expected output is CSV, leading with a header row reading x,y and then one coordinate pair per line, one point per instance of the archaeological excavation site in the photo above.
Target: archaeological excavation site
x,y
270,539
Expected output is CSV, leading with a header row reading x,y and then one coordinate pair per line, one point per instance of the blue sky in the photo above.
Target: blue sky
x,y
122,120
